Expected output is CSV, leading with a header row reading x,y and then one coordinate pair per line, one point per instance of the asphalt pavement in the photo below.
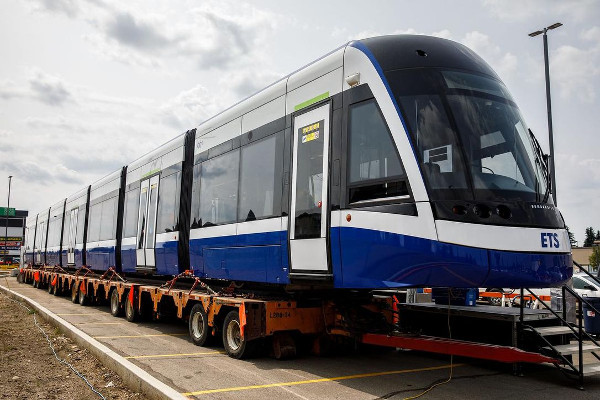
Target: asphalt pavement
x,y
165,352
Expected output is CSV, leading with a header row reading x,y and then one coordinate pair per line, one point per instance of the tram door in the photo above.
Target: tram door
x,y
308,214
146,236
72,235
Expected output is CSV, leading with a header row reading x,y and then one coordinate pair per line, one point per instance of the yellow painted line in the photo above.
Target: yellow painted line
x,y
136,336
337,378
99,323
177,354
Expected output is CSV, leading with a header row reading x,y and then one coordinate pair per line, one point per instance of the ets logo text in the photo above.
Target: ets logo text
x,y
550,240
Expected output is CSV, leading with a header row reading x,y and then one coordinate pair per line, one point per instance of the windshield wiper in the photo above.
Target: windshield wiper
x,y
542,159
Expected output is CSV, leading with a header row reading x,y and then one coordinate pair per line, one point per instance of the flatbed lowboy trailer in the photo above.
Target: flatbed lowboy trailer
x,y
246,320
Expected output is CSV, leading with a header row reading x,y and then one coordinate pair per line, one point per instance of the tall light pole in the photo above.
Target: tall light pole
x,y
549,104
6,227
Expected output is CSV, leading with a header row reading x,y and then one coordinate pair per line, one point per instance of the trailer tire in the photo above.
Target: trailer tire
x,y
198,325
75,293
57,289
233,342
116,308
131,313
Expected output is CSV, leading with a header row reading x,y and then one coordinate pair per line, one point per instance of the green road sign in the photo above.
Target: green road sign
x,y
7,212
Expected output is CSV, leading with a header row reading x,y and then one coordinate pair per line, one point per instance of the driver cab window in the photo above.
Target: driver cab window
x,y
374,168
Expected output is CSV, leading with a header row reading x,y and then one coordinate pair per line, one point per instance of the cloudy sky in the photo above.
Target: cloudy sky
x,y
87,86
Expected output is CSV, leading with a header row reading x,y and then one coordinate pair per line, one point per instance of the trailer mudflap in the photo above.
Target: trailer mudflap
x,y
252,320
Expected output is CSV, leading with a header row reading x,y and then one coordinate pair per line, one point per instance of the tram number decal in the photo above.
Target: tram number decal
x,y
311,132
550,240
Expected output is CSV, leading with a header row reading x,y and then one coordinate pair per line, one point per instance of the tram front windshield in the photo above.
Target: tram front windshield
x,y
469,136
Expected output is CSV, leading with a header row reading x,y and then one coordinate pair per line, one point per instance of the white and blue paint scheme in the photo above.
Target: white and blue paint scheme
x,y
101,247
55,229
151,228
74,229
390,162
375,230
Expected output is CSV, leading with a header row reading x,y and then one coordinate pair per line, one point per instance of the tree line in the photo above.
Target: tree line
x,y
590,237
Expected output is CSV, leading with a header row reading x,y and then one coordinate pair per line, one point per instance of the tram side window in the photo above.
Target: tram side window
x,y
167,204
260,180
219,183
54,232
132,201
195,212
375,170
65,232
51,226
80,224
107,221
41,236
94,223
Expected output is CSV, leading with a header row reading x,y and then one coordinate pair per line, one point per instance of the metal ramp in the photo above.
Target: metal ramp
x,y
566,340
483,351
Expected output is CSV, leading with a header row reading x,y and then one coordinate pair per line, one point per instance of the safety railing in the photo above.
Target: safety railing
x,y
577,330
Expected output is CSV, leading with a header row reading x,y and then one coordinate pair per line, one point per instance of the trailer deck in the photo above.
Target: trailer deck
x,y
246,321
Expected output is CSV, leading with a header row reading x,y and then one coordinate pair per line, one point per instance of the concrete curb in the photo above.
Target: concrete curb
x,y
136,378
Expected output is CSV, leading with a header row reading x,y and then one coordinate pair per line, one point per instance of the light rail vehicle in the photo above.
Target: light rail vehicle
x,y
395,161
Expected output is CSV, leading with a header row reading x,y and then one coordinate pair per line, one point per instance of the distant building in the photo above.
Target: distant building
x,y
581,255
11,237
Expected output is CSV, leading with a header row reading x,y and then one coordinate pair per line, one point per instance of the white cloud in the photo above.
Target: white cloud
x,y
246,82
573,69
444,33
10,89
70,8
504,63
189,108
592,34
223,34
84,142
59,122
136,33
40,86
578,183
215,34
527,9
49,89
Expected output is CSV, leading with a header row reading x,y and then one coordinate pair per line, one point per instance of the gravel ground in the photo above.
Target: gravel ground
x,y
29,370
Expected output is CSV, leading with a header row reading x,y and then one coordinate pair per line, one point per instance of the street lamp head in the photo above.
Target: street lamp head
x,y
554,26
